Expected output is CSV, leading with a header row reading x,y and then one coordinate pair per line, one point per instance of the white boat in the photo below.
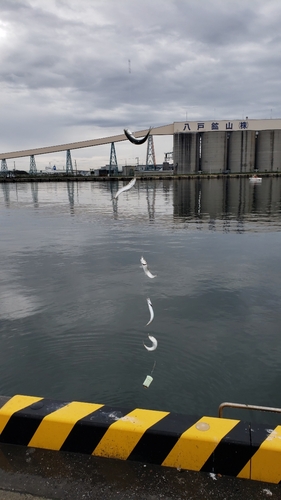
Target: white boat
x,y
255,179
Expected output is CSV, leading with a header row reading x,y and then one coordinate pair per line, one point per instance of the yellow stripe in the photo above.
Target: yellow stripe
x,y
124,434
55,428
16,403
195,446
245,473
266,463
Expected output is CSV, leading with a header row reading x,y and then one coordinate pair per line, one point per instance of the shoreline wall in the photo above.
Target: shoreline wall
x,y
208,444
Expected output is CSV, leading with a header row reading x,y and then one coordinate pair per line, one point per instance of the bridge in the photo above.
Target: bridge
x,y
164,130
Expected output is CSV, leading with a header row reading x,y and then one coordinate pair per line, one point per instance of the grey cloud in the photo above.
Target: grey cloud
x,y
64,65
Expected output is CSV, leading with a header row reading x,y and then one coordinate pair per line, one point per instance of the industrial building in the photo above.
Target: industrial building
x,y
227,146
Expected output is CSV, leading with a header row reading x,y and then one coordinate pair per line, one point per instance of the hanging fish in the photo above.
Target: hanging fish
x,y
125,188
147,272
143,261
150,310
145,268
154,343
133,139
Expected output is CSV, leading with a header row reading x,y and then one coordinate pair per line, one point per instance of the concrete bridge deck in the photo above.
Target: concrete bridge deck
x,y
164,130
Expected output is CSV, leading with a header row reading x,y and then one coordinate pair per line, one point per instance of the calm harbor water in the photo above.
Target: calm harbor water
x,y
73,307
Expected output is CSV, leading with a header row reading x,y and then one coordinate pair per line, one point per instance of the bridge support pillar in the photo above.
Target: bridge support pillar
x,y
69,166
113,165
150,154
4,167
32,168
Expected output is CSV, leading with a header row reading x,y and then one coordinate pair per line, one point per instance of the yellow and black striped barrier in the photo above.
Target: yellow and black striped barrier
x,y
218,445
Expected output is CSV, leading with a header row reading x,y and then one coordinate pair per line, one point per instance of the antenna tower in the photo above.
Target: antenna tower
x,y
150,155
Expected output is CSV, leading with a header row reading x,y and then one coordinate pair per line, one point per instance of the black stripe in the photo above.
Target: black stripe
x,y
232,453
84,437
259,433
23,424
157,442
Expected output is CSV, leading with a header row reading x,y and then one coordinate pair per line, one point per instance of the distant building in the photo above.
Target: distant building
x,y
129,170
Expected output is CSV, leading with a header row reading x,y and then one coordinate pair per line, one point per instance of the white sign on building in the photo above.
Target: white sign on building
x,y
226,125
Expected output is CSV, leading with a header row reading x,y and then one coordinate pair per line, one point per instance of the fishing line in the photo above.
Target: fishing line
x,y
130,106
153,368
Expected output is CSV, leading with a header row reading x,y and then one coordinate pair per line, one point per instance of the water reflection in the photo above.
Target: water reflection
x,y
113,185
151,198
70,192
34,191
6,193
226,200
212,203
73,295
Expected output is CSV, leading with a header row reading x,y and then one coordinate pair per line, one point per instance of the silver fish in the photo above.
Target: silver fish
x,y
150,310
154,343
133,139
143,261
147,272
125,188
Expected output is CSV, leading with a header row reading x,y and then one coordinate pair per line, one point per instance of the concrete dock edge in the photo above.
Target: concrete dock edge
x,y
215,445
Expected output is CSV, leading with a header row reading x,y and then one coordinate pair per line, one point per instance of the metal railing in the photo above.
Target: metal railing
x,y
247,407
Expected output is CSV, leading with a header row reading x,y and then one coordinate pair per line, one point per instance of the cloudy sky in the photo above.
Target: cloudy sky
x,y
74,70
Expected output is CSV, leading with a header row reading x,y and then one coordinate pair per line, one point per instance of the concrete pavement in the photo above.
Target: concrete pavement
x,y
10,495
33,474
